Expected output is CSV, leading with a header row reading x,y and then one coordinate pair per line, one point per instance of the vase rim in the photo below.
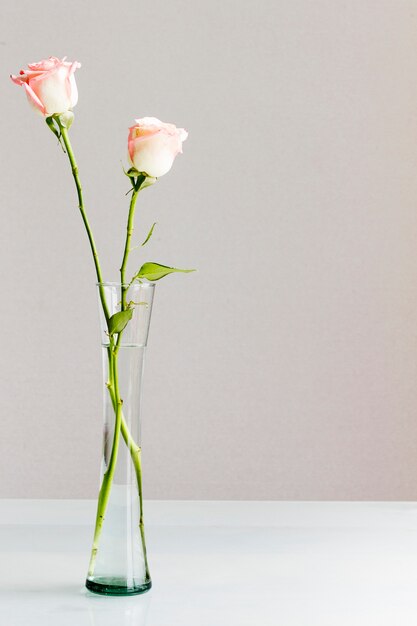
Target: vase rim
x,y
117,284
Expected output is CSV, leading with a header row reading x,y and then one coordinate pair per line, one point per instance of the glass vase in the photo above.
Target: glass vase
x,y
118,563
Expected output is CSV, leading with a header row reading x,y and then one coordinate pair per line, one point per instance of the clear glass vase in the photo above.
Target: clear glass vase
x,y
118,563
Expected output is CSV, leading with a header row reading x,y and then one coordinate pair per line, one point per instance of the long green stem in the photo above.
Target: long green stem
x,y
107,481
105,488
134,449
129,231
74,168
135,453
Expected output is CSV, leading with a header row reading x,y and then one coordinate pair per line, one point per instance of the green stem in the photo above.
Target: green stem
x,y
105,488
107,481
129,231
74,167
135,450
112,385
135,453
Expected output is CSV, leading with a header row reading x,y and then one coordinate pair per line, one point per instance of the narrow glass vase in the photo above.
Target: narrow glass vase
x,y
118,563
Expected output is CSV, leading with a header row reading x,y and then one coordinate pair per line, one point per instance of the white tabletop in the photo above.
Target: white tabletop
x,y
218,564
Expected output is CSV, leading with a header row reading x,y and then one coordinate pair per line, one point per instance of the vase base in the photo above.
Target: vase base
x,y
116,587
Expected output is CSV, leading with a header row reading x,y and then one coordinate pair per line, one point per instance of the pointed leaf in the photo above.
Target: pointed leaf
x,y
131,173
118,321
148,182
149,235
156,271
50,121
139,182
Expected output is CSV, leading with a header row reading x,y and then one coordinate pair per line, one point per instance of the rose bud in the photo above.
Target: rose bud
x,y
153,146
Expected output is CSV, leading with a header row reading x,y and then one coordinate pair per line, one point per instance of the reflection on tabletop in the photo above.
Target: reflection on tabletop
x,y
117,611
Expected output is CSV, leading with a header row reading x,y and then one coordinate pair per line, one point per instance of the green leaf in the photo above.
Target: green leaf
x,y
149,235
131,173
139,182
148,182
50,121
118,321
155,271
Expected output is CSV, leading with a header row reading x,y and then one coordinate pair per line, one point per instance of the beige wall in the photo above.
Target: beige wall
x,y
287,367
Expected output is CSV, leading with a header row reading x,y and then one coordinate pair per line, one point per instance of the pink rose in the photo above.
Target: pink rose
x,y
154,145
50,85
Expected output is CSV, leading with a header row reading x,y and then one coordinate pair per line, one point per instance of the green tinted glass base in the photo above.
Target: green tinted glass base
x,y
115,587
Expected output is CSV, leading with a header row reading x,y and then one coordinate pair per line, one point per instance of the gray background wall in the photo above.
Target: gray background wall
x,y
287,367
